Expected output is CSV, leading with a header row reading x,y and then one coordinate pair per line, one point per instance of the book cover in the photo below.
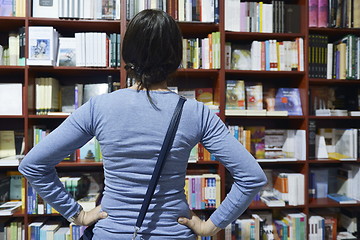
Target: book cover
x,y
313,13
94,89
288,99
254,95
241,57
7,144
235,95
204,95
67,52
11,99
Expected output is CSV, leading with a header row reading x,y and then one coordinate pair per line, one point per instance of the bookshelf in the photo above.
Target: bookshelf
x,y
188,78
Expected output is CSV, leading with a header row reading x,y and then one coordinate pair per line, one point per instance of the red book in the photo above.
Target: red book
x,y
322,13
313,13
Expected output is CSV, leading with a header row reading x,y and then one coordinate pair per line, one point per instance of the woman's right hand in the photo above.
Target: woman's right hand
x,y
200,227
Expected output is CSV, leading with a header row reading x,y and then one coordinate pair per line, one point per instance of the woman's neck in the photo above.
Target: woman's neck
x,y
155,87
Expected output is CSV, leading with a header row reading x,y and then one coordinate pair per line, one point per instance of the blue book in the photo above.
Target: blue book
x,y
288,99
342,199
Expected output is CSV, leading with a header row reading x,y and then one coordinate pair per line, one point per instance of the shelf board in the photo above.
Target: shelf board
x,y
332,117
267,73
334,31
82,25
11,116
11,23
329,161
205,163
190,73
61,69
261,205
326,202
261,36
297,162
80,164
197,29
326,82
4,70
268,117
48,116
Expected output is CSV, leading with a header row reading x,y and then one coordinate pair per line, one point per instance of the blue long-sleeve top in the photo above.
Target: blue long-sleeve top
x,y
130,132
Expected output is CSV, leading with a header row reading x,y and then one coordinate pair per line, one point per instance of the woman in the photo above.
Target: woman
x,y
130,125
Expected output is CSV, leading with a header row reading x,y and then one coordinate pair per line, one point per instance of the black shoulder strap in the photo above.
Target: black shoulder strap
x,y
168,141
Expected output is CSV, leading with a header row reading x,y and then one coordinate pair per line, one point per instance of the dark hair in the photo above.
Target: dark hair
x,y
152,47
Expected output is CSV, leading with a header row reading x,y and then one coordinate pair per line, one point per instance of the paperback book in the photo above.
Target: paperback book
x,y
288,99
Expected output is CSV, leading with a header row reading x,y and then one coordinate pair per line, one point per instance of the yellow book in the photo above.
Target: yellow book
x,y
338,156
261,16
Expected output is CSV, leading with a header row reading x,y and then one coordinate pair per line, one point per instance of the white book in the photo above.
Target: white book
x,y
11,99
117,9
232,15
300,141
83,49
329,66
45,8
207,10
87,9
103,49
300,50
255,55
181,10
41,46
267,19
88,49
188,10
14,49
65,8
78,49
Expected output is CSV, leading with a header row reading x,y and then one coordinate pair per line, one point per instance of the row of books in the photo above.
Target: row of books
x,y
135,6
199,153
13,8
198,11
202,53
203,191
249,95
271,144
12,190
274,17
89,152
334,224
334,13
50,97
82,187
90,49
261,225
337,60
337,144
43,230
77,9
269,55
13,54
339,184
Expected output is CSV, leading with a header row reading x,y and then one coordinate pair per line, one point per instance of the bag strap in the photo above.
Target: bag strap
x,y
165,149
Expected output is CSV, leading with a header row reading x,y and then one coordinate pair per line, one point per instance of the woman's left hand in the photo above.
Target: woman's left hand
x,y
88,218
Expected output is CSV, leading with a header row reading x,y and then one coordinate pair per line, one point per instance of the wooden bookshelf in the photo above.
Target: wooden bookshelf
x,y
214,78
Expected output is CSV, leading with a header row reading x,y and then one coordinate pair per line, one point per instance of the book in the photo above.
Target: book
x,y
288,99
45,8
6,8
272,201
89,202
42,46
8,208
235,95
254,95
11,99
342,199
93,89
7,144
67,52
